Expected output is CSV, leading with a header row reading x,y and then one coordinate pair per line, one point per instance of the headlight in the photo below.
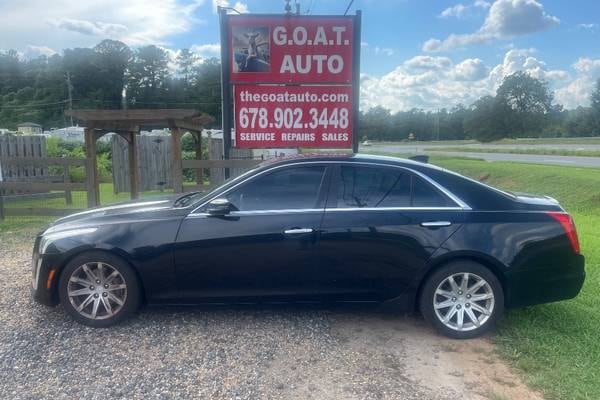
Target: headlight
x,y
49,238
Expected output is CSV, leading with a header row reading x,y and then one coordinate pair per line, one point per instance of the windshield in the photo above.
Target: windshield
x,y
197,198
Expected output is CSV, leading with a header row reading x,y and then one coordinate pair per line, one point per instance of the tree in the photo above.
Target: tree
x,y
595,112
527,101
148,75
112,58
185,63
486,121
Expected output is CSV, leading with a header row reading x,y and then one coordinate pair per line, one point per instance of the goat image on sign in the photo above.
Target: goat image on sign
x,y
251,49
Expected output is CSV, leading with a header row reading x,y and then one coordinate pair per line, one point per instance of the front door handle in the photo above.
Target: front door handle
x,y
435,224
297,231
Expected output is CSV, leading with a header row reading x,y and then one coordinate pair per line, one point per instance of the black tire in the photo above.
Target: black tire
x,y
132,299
428,296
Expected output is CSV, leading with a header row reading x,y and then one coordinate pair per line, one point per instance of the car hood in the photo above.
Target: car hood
x,y
122,212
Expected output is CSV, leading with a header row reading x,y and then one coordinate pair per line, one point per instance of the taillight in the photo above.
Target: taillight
x,y
568,225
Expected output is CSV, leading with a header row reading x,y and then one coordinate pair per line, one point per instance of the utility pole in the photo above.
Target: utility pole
x,y
70,91
437,124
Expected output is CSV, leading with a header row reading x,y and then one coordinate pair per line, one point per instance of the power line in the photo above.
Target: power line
x,y
348,8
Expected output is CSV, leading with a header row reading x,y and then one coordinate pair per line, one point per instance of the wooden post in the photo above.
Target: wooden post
x,y
91,169
199,171
133,166
1,205
67,179
177,166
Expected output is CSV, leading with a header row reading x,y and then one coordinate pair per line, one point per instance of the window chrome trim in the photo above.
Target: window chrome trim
x,y
327,210
461,205
263,212
395,209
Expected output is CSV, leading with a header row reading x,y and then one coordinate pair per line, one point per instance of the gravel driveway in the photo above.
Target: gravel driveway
x,y
233,352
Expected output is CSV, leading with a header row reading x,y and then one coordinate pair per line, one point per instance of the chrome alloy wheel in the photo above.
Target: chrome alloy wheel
x,y
463,301
97,290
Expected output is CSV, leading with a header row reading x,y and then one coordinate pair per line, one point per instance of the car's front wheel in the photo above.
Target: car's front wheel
x,y
462,299
99,289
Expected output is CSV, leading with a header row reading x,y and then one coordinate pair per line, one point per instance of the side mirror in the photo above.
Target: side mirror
x,y
219,207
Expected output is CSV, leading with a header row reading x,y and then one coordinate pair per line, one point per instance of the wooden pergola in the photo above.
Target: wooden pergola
x,y
128,124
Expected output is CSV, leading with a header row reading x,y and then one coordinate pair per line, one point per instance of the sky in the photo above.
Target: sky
x,y
423,54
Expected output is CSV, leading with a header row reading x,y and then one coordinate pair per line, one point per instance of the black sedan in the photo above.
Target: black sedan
x,y
326,228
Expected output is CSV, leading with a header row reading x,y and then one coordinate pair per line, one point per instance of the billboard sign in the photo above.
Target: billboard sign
x,y
294,79
291,49
271,116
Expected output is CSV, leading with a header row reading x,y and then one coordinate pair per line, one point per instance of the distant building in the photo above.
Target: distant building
x,y
70,134
29,128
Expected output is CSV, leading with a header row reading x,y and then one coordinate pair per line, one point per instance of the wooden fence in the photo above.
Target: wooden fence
x,y
15,187
154,161
27,148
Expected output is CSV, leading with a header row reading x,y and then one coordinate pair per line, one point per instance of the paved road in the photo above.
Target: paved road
x,y
592,162
419,146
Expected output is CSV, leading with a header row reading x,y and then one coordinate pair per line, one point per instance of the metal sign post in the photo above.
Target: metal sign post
x,y
225,85
356,81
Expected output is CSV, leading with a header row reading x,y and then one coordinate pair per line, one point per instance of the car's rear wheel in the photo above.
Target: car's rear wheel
x,y
462,299
99,289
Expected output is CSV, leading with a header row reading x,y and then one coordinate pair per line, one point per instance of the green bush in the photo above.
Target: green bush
x,y
60,148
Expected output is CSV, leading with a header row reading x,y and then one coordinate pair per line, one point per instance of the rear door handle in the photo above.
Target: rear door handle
x,y
435,224
297,231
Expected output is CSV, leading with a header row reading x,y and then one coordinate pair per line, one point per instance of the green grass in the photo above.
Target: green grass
x,y
556,346
574,140
544,151
107,196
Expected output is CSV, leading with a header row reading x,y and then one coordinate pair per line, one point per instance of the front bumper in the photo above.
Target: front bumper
x,y
45,282
546,285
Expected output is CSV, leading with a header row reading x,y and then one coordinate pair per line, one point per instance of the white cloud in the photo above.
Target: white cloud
x,y
588,27
384,50
458,11
239,5
482,4
32,52
435,82
578,91
522,60
426,82
471,69
69,23
84,27
207,50
427,63
506,19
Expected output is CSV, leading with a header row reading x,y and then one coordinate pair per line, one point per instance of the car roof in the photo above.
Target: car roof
x,y
346,157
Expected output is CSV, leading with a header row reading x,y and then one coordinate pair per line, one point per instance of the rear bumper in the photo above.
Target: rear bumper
x,y
546,285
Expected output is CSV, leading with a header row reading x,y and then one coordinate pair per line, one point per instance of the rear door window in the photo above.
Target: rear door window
x,y
373,187
425,195
360,187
